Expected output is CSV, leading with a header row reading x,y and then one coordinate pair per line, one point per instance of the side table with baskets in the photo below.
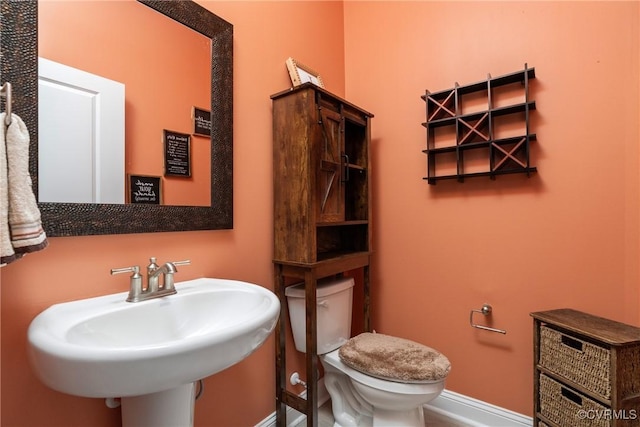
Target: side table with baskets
x,y
586,371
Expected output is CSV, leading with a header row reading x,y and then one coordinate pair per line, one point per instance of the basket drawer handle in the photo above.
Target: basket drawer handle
x,y
568,394
573,343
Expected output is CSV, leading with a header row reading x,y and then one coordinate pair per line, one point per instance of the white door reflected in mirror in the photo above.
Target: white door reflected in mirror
x,y
81,136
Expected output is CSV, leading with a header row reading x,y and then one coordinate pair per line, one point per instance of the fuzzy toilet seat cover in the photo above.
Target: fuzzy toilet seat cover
x,y
393,358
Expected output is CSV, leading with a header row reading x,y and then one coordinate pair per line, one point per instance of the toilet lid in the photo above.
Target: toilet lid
x,y
394,358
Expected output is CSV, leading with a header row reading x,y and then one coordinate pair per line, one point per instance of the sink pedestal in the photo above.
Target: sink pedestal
x,y
170,408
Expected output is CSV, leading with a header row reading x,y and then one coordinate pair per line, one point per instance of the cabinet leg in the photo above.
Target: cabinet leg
x,y
312,348
280,335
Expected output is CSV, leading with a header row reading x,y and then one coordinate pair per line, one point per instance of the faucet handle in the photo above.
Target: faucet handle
x,y
185,262
135,286
135,270
168,277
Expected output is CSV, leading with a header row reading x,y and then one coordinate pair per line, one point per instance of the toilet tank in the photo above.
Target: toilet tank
x,y
334,299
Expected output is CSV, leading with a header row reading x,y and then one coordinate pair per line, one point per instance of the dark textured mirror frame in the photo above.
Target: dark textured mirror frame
x,y
19,66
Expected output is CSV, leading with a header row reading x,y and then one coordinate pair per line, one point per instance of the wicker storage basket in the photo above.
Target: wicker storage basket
x,y
568,408
579,361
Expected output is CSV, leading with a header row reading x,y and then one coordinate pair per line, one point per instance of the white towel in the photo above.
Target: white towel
x,y
7,254
25,232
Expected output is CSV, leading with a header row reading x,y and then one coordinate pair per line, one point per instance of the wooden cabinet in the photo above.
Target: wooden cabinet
x,y
586,371
480,129
321,176
322,213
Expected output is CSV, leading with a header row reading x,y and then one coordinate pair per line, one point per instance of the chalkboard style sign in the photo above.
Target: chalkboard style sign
x,y
201,121
144,189
177,154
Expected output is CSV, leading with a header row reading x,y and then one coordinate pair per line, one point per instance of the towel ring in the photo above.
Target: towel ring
x,y
6,91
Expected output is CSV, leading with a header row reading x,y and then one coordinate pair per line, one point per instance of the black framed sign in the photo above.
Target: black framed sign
x,y
201,121
177,153
144,189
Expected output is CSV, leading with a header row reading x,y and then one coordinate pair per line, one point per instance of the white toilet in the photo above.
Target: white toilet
x,y
373,379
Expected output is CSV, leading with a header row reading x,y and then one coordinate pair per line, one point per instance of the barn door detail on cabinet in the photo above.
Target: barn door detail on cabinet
x,y
330,186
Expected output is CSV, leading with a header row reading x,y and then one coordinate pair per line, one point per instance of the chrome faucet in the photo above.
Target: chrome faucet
x,y
154,288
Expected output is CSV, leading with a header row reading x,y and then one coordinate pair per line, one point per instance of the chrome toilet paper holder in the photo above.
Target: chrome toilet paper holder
x,y
485,311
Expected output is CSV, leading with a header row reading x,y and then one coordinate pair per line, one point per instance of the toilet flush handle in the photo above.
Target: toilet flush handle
x,y
323,303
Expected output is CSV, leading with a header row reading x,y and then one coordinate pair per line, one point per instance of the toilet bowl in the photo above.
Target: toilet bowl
x,y
358,399
367,389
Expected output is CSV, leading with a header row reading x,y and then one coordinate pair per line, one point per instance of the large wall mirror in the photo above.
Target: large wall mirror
x,y
19,65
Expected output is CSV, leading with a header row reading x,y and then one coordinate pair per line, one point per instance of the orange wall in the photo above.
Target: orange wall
x,y
567,237
265,35
89,35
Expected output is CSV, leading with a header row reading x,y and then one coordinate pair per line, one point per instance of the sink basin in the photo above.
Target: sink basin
x,y
106,347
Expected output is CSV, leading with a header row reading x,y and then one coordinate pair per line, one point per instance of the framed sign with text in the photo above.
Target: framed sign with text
x,y
177,153
144,189
201,121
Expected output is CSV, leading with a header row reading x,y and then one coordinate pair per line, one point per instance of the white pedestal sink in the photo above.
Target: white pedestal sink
x,y
150,353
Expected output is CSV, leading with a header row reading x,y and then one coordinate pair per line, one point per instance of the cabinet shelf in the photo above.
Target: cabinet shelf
x,y
342,223
490,129
339,254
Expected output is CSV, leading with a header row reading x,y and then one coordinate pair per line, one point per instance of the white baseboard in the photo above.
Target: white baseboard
x,y
456,407
475,413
